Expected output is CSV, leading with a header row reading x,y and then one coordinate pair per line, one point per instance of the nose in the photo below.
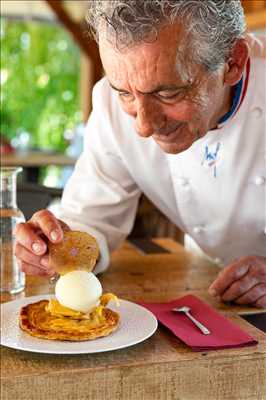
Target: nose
x,y
149,118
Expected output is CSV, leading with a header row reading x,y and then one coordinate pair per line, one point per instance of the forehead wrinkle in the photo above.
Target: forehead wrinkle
x,y
147,65
140,69
150,72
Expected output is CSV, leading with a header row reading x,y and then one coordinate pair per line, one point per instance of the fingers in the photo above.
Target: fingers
x,y
30,258
261,302
30,269
29,234
29,238
240,287
31,242
227,277
252,295
31,263
244,282
48,224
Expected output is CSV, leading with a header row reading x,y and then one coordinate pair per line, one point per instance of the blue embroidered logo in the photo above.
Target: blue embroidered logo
x,y
210,158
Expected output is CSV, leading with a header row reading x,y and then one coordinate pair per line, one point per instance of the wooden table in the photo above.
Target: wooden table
x,y
160,368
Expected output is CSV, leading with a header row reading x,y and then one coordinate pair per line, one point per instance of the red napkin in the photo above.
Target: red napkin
x,y
224,333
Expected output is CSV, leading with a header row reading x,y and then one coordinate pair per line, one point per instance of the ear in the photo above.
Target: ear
x,y
237,61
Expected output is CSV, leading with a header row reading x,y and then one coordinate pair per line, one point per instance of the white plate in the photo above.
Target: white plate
x,y
136,325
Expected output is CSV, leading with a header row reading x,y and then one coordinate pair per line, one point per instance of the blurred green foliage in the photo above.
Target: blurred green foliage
x,y
40,71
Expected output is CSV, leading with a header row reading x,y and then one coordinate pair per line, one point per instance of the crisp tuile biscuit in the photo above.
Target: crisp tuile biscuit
x,y
36,321
77,250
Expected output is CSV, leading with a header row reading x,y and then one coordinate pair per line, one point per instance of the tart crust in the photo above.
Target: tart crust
x,y
38,322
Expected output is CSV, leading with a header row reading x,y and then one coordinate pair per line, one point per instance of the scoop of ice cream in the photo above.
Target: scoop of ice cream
x,y
78,290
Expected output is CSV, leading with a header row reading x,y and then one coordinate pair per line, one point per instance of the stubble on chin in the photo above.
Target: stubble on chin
x,y
197,134
186,140
173,148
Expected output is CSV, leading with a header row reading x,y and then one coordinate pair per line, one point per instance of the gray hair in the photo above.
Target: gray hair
x,y
215,25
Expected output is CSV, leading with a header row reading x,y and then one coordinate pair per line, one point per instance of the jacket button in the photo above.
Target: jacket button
x,y
183,182
197,229
259,180
257,112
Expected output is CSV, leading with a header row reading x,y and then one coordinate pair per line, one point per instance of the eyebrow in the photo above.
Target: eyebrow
x,y
159,88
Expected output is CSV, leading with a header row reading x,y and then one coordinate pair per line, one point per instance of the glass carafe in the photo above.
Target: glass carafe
x,y
12,278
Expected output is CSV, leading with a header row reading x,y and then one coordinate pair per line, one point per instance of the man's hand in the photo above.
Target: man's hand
x,y
31,247
243,281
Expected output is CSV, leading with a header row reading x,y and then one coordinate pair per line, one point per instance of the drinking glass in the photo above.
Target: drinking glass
x,y
12,278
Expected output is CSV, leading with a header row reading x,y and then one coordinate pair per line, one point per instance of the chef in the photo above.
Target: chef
x,y
179,116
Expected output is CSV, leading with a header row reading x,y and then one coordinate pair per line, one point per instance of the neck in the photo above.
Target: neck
x,y
225,107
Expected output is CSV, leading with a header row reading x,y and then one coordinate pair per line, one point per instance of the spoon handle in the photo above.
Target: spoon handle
x,y
198,324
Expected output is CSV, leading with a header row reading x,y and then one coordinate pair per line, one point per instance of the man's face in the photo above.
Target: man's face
x,y
174,105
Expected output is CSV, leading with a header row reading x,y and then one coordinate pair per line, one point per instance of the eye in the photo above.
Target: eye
x,y
168,95
126,96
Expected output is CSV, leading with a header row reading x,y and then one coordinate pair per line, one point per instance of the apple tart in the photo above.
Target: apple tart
x,y
50,320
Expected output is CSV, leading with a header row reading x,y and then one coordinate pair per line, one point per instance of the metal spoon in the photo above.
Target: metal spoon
x,y
194,320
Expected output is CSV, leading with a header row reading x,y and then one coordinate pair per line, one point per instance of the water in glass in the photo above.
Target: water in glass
x,y
12,278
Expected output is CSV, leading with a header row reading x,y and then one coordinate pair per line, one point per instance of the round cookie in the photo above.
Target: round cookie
x,y
77,250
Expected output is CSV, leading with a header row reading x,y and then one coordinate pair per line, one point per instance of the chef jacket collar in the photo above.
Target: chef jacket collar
x,y
240,91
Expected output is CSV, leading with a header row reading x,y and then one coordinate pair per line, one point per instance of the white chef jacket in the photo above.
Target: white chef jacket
x,y
221,204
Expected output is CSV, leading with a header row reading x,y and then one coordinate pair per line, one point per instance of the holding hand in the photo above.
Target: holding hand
x,y
243,281
32,237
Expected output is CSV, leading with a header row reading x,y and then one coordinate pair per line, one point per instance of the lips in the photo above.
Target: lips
x,y
168,137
